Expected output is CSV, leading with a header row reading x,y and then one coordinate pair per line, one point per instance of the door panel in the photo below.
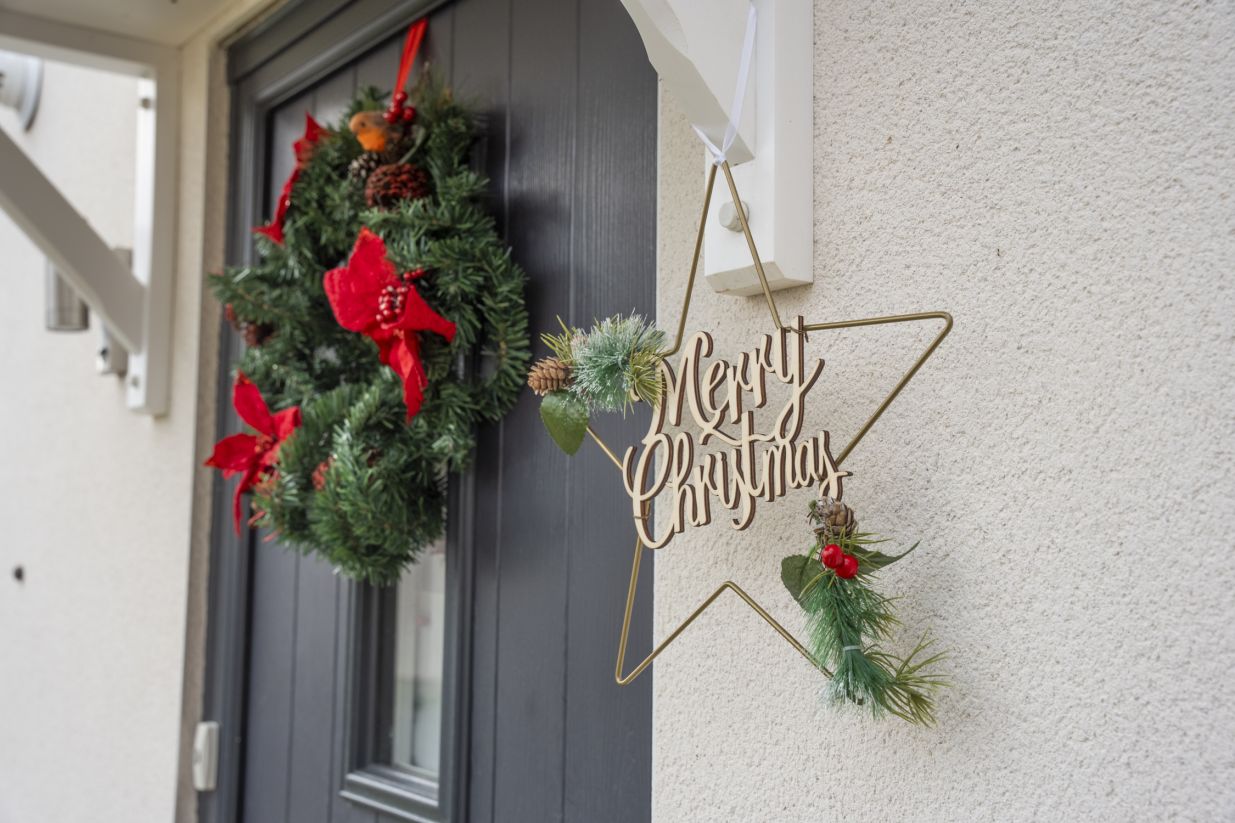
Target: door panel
x,y
569,105
613,242
531,556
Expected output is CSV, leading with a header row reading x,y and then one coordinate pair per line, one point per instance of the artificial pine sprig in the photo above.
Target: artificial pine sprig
x,y
617,362
847,620
610,367
562,345
613,364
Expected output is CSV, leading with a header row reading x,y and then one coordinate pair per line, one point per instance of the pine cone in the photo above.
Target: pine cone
x,y
360,169
256,333
548,375
833,519
393,182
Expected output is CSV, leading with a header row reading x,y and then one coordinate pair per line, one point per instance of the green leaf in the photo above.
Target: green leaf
x,y
797,571
566,418
870,560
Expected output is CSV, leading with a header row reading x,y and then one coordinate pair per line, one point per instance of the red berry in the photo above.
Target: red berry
x,y
409,114
831,555
400,98
390,115
848,567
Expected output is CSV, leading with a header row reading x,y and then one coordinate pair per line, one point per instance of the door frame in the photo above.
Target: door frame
x,y
294,48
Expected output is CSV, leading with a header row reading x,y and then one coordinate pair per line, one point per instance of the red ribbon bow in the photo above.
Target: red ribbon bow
x,y
367,296
411,45
252,455
303,147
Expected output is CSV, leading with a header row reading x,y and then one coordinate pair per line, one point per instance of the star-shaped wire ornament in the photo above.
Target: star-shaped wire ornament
x,y
944,317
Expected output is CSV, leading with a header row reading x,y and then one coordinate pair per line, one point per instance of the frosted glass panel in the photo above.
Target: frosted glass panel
x,y
420,623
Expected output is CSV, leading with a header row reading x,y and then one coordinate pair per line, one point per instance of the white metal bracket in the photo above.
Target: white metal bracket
x,y
695,47
136,304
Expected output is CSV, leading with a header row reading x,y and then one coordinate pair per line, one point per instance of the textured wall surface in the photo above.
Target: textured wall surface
x,y
95,502
1059,177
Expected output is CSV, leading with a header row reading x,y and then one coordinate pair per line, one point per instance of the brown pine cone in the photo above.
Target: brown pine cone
x,y
393,182
365,164
256,333
833,519
548,375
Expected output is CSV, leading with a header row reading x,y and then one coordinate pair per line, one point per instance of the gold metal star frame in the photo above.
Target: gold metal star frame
x,y
944,317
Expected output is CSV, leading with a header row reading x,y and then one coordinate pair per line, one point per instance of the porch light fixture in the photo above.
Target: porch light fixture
x,y
65,310
21,85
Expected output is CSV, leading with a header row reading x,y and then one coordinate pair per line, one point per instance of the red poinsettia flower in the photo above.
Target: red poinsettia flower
x,y
253,455
303,147
369,297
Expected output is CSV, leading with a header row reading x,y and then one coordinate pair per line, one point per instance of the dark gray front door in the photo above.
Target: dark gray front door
x,y
540,544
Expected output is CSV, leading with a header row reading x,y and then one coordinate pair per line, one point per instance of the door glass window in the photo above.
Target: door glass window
x,y
405,688
419,617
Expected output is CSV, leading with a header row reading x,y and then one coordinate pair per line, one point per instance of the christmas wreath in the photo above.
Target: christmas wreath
x,y
384,319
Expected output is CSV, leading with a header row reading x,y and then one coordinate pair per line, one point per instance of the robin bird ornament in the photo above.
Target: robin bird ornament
x,y
372,130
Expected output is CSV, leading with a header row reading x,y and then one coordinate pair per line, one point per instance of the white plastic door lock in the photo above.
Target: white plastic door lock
x,y
206,756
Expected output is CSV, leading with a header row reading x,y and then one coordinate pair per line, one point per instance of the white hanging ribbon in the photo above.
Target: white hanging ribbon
x,y
739,94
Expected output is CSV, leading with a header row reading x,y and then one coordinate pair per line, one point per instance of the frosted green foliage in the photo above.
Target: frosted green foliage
x,y
617,362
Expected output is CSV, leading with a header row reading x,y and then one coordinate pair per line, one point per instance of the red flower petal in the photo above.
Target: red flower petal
x,y
285,422
236,505
234,454
303,147
353,290
418,316
274,229
252,408
404,358
247,482
313,131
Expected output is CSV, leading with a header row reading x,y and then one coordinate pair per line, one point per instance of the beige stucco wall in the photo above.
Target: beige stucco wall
x,y
95,502
1059,177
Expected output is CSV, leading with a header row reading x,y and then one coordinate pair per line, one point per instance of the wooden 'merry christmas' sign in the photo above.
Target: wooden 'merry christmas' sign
x,y
720,398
